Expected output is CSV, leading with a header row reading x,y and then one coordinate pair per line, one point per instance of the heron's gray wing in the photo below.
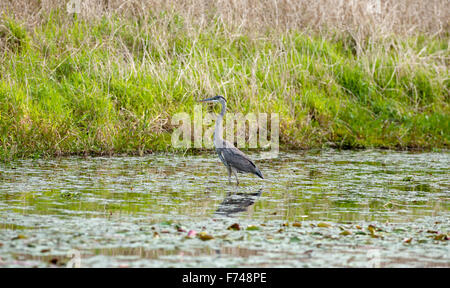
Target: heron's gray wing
x,y
237,159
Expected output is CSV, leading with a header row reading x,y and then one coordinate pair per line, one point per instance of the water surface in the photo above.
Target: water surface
x,y
137,211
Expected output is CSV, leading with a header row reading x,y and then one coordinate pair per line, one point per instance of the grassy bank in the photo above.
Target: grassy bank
x,y
109,83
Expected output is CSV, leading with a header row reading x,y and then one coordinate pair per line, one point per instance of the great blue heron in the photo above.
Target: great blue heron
x,y
234,159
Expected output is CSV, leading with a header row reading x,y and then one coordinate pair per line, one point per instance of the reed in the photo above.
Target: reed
x,y
349,74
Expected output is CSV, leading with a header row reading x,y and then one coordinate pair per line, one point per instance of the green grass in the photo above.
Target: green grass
x,y
70,86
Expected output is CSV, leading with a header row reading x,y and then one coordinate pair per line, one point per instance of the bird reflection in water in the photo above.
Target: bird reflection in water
x,y
237,202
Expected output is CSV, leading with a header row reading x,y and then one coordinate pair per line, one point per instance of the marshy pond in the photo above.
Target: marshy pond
x,y
323,208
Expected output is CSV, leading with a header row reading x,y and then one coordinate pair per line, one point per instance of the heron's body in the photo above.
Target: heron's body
x,y
234,159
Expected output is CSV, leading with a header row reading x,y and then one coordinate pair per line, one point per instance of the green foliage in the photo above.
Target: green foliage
x,y
72,86
13,35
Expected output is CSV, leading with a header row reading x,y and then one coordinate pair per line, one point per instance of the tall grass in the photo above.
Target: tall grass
x,y
108,80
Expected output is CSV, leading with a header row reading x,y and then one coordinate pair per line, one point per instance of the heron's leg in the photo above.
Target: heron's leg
x,y
229,174
235,175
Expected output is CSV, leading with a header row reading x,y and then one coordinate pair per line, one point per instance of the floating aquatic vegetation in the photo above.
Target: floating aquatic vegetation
x,y
171,223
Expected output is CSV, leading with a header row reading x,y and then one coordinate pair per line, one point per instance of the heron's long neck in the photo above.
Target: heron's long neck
x,y
219,127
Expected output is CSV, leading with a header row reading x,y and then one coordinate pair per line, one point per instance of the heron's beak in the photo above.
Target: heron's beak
x,y
207,100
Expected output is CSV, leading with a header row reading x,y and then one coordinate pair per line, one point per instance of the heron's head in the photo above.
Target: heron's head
x,y
217,98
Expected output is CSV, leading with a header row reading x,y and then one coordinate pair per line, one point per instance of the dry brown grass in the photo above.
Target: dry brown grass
x,y
361,18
